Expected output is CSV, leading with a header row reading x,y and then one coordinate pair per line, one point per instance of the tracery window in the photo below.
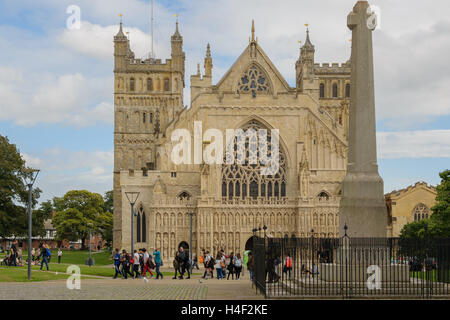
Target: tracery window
x,y
245,180
254,81
421,211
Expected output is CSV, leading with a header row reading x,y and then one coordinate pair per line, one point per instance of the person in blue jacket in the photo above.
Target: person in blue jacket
x,y
158,262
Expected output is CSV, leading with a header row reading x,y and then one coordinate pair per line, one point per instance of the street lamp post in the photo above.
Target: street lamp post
x,y
30,178
132,197
90,245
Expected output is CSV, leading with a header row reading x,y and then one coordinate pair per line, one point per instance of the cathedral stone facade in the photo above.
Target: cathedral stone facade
x,y
226,201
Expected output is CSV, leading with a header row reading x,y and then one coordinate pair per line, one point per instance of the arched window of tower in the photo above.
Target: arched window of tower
x,y
335,90
322,90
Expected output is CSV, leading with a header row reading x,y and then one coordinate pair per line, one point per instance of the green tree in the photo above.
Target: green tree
x,y
438,225
13,192
440,219
109,203
78,212
39,216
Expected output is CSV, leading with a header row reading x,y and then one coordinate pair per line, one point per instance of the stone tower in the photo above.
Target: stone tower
x,y
362,206
304,66
148,95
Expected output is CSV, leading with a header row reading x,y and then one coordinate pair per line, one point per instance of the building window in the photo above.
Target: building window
x,y
132,84
347,90
138,226
421,211
323,195
143,117
335,90
322,90
184,195
149,85
254,81
245,180
173,174
144,227
166,84
151,117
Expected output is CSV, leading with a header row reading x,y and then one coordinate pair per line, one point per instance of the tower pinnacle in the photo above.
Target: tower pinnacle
x,y
208,62
253,30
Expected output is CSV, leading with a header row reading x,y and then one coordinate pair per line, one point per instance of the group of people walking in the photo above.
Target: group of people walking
x,y
225,265
138,264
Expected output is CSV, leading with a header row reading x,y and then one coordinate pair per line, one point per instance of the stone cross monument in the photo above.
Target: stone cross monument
x,y
362,206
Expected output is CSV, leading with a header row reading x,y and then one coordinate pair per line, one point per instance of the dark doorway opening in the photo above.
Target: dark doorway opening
x,y
183,244
249,244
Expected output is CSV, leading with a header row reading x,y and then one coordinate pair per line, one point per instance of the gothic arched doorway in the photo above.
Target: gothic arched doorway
x,y
249,244
183,244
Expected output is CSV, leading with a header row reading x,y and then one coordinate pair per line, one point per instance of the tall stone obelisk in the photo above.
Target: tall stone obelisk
x,y
362,206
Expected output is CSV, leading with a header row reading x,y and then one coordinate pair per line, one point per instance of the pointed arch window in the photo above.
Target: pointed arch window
x,y
132,84
138,226
245,180
144,227
335,90
254,81
184,195
421,211
322,90
347,90
323,195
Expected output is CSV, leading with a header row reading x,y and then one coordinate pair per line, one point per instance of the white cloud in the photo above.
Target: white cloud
x,y
414,144
30,161
97,41
30,98
63,170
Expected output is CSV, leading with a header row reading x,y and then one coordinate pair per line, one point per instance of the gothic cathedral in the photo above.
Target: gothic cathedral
x,y
225,202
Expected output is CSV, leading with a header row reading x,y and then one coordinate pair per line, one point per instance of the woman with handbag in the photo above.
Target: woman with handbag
x,y
230,267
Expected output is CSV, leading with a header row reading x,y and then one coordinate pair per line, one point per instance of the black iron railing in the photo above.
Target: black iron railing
x,y
352,267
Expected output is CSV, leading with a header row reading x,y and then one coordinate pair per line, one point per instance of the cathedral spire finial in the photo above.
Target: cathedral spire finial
x,y
308,44
253,30
120,35
177,33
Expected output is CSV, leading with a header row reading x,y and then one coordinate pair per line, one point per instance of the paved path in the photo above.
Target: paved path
x,y
133,289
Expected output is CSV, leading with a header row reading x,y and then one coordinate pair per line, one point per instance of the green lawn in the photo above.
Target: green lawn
x,y
103,266
19,274
432,275
75,257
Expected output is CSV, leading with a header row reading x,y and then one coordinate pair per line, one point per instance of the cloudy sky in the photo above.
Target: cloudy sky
x,y
56,84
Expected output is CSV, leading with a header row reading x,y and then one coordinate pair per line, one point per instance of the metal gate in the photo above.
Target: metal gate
x,y
352,267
